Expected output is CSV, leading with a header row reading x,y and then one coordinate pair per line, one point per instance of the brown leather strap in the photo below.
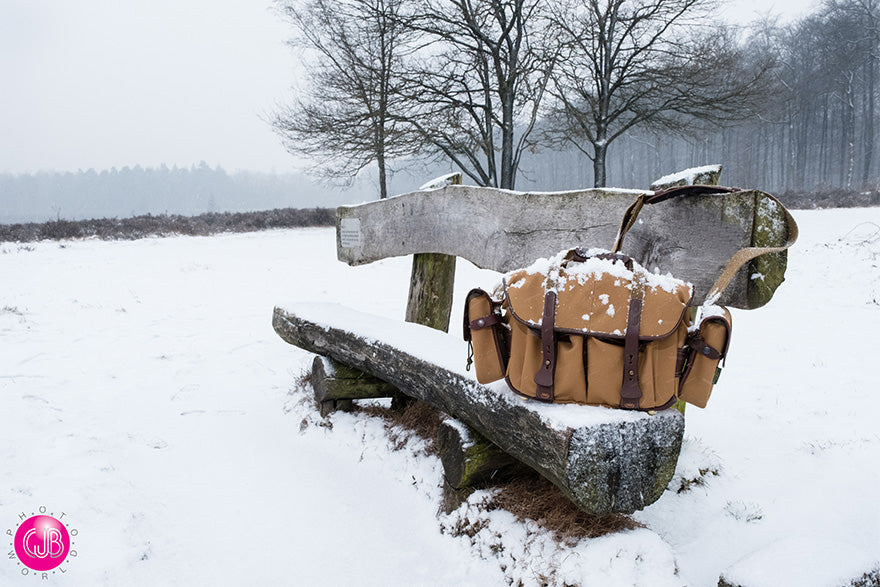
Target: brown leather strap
x,y
632,213
544,378
484,322
698,344
630,392
629,218
739,258
744,255
689,190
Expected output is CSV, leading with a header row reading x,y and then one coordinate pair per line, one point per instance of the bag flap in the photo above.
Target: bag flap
x,y
714,315
593,297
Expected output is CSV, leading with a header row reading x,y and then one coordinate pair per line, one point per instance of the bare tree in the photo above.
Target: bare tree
x,y
348,116
477,85
653,63
870,17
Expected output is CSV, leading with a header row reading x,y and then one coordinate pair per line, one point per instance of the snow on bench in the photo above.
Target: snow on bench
x,y
691,237
604,460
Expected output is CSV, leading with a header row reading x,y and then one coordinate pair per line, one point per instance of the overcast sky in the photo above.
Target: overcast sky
x,y
109,83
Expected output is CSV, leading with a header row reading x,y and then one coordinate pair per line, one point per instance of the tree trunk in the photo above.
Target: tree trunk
x,y
850,130
824,156
508,174
600,150
869,123
383,179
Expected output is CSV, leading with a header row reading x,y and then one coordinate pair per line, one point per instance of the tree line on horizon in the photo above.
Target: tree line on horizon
x,y
571,93
133,191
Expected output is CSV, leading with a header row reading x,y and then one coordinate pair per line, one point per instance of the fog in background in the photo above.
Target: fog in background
x,y
114,108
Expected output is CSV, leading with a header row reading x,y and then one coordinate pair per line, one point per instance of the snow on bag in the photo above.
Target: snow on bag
x,y
595,327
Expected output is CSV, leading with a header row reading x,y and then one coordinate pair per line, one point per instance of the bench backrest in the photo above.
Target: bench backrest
x,y
692,238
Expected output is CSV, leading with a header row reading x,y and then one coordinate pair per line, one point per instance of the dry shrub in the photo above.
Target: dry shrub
x,y
532,497
699,481
831,197
167,225
303,380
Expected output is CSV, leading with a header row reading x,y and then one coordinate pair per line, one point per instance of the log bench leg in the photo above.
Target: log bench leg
x,y
336,385
329,406
469,460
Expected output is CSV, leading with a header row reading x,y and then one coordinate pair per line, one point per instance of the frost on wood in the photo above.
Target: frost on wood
x,y
443,181
705,175
605,461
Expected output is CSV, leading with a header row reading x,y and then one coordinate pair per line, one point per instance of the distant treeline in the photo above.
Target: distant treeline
x,y
166,225
202,200
814,131
137,191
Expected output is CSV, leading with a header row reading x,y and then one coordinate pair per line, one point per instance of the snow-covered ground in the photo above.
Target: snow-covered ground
x,y
144,394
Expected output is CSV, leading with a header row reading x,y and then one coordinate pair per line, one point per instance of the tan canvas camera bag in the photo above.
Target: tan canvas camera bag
x,y
594,327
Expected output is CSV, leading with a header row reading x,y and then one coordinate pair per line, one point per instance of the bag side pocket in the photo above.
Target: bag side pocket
x,y
706,348
485,330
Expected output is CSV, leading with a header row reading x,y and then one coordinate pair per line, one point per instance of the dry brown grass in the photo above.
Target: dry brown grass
x,y
166,225
831,197
416,418
532,497
528,496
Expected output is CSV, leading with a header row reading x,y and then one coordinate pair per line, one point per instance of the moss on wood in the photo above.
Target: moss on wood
x,y
767,272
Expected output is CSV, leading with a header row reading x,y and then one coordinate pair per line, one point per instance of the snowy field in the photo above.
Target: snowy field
x,y
144,394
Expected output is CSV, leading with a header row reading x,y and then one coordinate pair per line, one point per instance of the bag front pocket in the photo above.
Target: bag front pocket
x,y
604,364
569,381
487,334
657,370
707,348
525,359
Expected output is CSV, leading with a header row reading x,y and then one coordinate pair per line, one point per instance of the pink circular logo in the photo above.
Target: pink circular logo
x,y
42,543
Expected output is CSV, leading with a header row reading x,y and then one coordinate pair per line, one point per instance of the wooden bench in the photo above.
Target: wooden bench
x,y
603,460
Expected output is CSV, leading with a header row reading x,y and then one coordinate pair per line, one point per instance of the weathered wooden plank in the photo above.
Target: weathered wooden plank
x,y
493,228
603,460
691,237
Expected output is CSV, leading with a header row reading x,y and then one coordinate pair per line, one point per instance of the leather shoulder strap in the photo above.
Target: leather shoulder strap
x,y
632,213
740,258
744,255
